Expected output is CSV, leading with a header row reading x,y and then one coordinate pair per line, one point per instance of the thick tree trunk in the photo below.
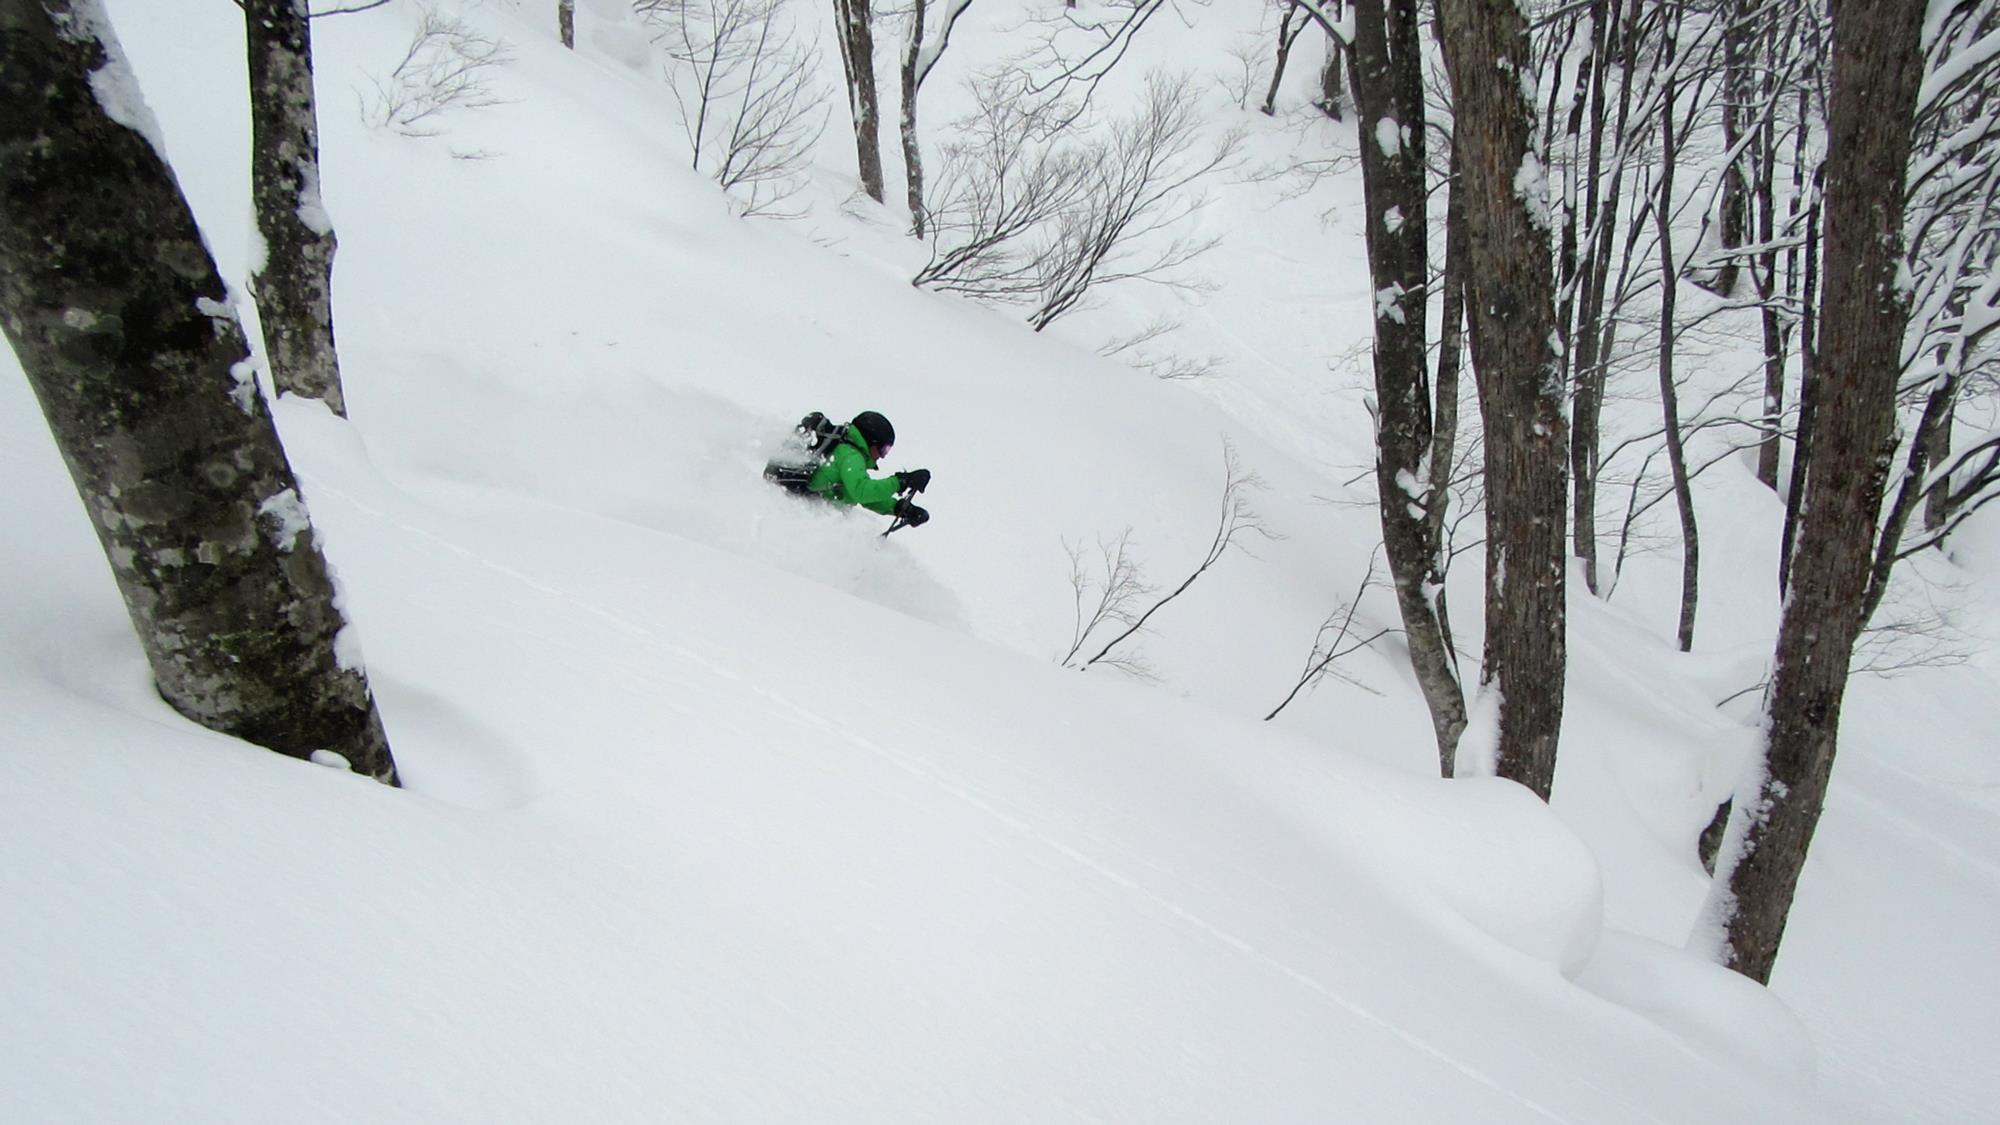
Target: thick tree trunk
x,y
122,325
1389,103
857,57
1877,65
1512,288
294,284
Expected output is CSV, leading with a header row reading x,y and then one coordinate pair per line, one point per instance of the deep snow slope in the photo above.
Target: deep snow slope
x,y
725,808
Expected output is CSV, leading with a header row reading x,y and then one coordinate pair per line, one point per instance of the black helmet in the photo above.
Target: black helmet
x,y
875,429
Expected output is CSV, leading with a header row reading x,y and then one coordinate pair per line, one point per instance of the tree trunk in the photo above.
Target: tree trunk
x,y
566,22
1663,211
1802,442
1877,65
1286,35
1937,504
1930,429
294,284
1734,205
1776,331
1591,337
1512,288
1331,84
1389,101
913,157
1444,420
857,57
121,323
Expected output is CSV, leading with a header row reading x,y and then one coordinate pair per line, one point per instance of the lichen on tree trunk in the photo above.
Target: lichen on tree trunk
x,y
294,284
121,324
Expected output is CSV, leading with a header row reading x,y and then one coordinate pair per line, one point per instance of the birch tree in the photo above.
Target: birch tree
x,y
123,327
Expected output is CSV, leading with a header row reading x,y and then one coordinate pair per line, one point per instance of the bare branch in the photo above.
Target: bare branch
x,y
1327,642
1237,518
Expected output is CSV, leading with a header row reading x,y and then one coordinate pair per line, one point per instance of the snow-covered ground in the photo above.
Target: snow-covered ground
x,y
722,807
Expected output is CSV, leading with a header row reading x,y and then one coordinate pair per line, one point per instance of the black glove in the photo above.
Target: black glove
x,y
911,514
915,480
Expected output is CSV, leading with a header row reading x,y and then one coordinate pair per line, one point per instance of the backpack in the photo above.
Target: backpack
x,y
803,451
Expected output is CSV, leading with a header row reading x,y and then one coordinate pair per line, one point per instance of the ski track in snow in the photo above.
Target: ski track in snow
x,y
966,796
1908,822
1196,922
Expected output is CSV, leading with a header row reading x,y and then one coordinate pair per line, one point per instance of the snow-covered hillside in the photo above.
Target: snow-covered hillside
x,y
722,807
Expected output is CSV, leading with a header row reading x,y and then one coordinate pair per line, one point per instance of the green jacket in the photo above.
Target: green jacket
x,y
844,478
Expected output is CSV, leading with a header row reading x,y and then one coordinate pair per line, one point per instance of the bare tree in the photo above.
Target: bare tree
x,y
566,22
853,30
1670,273
1876,68
1331,643
1615,39
1512,310
447,66
1075,50
1027,211
1290,23
1953,263
1237,519
920,54
1140,187
1110,599
293,284
749,104
121,322
1331,85
1003,182
1389,105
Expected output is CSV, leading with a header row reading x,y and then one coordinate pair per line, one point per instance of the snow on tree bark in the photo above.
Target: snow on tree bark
x,y
913,156
1876,68
294,283
119,319
1510,277
921,52
1389,99
857,55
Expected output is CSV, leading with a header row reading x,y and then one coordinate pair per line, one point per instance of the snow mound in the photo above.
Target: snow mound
x,y
1488,854
1541,894
1716,1011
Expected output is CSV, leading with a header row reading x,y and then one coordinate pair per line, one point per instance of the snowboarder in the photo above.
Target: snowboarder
x,y
845,479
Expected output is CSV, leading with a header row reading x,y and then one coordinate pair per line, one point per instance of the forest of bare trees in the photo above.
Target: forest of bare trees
x,y
1668,177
